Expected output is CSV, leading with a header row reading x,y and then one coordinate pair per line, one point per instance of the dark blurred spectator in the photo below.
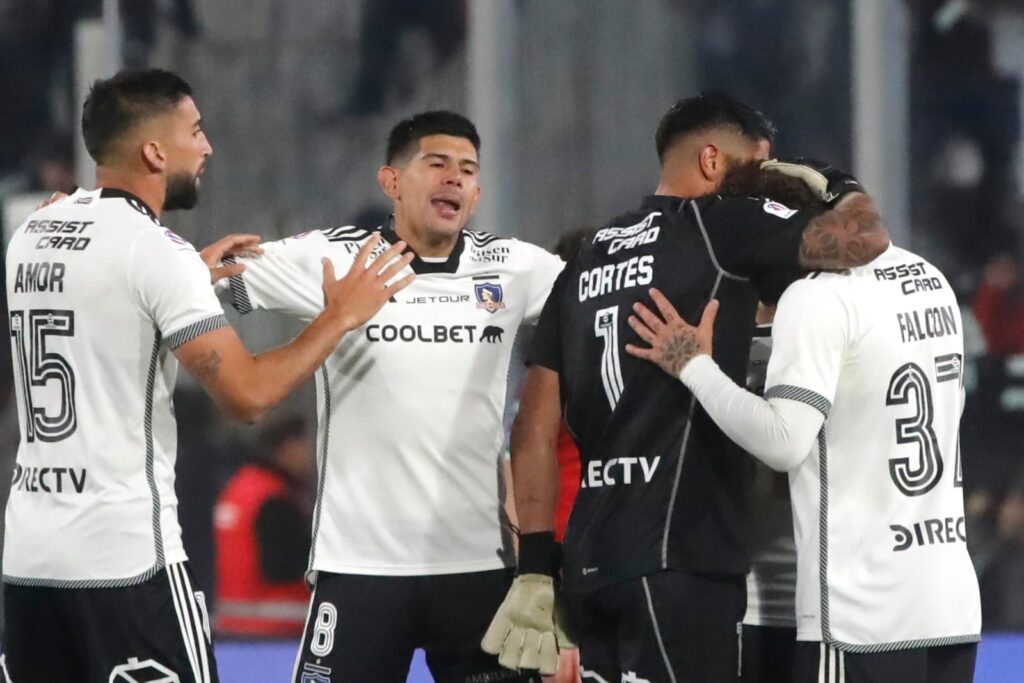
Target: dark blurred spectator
x,y
1000,565
812,64
262,521
386,24
999,306
139,21
35,54
206,454
965,122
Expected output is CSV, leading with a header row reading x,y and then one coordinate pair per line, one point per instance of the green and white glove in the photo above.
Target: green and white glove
x,y
826,181
523,632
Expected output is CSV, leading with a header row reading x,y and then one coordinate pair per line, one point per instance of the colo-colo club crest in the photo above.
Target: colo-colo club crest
x,y
489,296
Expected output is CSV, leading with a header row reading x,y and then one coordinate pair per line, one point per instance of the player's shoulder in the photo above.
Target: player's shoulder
x,y
747,205
342,239
340,235
510,252
818,288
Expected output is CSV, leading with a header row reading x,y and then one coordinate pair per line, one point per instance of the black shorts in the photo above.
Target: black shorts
x,y
819,663
768,654
157,630
366,628
669,626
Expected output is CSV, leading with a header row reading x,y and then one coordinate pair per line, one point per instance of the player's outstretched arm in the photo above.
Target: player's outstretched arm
x,y
778,432
246,386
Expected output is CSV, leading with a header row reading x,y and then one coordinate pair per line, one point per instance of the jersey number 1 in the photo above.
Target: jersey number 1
x,y
606,327
37,367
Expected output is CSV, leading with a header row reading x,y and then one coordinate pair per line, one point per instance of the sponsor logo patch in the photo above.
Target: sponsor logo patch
x,y
777,209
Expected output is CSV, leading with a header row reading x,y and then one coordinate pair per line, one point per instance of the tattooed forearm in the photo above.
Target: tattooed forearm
x,y
678,351
849,235
207,368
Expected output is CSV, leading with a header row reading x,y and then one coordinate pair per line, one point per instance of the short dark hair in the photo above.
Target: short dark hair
x,y
711,110
408,133
750,180
117,104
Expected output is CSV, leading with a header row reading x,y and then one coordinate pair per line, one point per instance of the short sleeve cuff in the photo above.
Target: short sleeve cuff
x,y
194,330
239,293
793,393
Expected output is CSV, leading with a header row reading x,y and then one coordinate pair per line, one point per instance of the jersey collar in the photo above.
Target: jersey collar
x,y
663,201
418,265
135,202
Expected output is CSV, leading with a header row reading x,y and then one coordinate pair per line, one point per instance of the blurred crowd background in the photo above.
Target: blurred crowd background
x,y
922,98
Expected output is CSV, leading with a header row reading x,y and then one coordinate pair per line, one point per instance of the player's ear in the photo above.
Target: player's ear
x,y
387,176
153,155
711,162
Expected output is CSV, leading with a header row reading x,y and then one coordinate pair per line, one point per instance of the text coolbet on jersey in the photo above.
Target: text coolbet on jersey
x,y
410,405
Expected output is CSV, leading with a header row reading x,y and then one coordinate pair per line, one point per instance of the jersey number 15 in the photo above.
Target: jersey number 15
x,y
37,367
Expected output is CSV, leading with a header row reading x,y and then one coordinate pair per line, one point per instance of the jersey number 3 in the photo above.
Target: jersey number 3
x,y
910,386
37,367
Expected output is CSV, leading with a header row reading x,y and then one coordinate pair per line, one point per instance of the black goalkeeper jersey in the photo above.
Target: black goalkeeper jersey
x,y
662,487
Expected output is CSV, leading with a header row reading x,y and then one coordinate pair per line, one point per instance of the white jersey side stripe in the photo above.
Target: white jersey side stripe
x,y
324,450
150,472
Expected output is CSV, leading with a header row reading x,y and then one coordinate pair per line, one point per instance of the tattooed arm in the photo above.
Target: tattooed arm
x,y
849,235
779,432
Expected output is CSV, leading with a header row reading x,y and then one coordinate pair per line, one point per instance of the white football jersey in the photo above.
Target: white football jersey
x,y
878,504
100,294
410,405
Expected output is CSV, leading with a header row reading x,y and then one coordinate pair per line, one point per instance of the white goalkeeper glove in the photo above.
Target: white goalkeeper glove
x,y
826,181
524,632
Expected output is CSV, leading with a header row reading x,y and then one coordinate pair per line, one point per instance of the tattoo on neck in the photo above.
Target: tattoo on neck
x,y
838,239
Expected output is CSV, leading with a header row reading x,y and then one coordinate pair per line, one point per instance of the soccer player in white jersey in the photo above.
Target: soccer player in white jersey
x,y
862,408
409,548
104,302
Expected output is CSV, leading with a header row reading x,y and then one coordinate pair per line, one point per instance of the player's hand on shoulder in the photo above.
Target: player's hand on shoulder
x,y
236,244
359,294
673,341
827,182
